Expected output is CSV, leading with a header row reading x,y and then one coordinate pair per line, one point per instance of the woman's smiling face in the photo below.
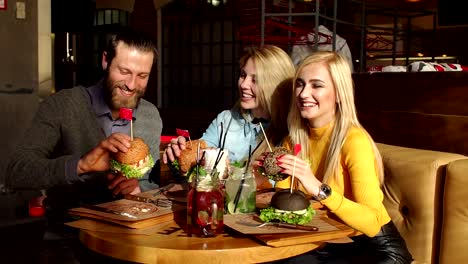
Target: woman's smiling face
x,y
315,94
248,86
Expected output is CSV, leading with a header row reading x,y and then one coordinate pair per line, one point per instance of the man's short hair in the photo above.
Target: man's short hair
x,y
132,39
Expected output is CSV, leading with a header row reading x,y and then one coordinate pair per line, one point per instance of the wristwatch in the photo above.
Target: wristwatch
x,y
324,192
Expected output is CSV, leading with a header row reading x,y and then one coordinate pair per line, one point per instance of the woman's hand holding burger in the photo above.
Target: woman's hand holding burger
x,y
302,172
173,149
284,163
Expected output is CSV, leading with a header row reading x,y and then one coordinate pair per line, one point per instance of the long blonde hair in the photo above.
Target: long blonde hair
x,y
273,66
345,116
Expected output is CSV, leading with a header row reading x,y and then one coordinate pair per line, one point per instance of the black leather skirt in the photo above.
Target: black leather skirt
x,y
387,247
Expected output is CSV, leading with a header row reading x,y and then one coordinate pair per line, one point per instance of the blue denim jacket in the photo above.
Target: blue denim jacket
x,y
240,135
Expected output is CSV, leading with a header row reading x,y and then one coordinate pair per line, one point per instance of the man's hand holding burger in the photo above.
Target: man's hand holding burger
x,y
98,159
119,184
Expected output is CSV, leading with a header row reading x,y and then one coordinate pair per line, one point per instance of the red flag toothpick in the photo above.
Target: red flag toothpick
x,y
127,113
183,133
297,149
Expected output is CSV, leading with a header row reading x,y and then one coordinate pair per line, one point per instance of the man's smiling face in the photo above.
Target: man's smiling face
x,y
127,76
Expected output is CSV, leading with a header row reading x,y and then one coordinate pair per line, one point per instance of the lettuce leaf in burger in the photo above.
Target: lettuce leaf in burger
x,y
134,163
287,207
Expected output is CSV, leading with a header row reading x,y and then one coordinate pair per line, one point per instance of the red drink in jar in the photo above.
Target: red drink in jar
x,y
205,210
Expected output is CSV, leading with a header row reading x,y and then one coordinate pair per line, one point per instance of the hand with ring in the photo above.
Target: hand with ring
x,y
173,149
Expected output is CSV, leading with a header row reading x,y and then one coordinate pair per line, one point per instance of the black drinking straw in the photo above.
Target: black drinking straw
x,y
216,162
258,145
197,166
221,135
194,213
241,185
225,134
221,145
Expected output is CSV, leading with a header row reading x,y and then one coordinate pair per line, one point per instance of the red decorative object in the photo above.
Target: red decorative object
x,y
36,207
297,149
166,139
3,4
182,132
126,113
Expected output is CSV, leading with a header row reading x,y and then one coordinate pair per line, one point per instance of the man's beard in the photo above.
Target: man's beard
x,y
117,101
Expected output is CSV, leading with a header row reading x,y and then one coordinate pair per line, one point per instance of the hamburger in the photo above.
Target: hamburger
x,y
134,163
270,168
184,165
188,158
287,207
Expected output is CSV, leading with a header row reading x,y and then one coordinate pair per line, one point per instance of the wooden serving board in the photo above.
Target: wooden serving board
x,y
248,224
329,229
143,220
280,240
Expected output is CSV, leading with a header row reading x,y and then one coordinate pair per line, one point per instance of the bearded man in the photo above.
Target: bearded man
x,y
68,147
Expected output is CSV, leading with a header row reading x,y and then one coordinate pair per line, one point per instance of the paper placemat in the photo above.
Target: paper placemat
x,y
143,220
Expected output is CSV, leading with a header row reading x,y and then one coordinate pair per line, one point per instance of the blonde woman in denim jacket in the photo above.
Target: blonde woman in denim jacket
x,y
263,71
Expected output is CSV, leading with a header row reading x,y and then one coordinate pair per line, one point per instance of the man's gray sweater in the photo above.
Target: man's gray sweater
x,y
64,129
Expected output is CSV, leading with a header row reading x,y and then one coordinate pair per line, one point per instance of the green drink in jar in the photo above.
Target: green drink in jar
x,y
247,195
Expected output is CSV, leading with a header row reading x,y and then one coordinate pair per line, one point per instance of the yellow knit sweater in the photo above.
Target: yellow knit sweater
x,y
356,196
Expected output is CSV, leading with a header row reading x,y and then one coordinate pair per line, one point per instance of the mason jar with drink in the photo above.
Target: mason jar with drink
x,y
205,201
240,190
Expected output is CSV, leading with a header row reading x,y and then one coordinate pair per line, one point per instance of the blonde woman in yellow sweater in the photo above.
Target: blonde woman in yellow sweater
x,y
339,163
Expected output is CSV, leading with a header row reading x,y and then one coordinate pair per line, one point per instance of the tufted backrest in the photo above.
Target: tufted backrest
x,y
413,196
454,236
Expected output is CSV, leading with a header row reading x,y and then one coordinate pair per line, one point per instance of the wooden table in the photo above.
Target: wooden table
x,y
170,244
167,242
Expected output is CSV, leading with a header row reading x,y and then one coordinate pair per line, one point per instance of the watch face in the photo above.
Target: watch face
x,y
324,193
326,189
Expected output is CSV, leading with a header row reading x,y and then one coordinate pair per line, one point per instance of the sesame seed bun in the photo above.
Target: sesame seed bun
x,y
138,151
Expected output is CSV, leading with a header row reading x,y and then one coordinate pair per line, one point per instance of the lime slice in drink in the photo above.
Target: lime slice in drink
x,y
203,218
231,207
239,209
